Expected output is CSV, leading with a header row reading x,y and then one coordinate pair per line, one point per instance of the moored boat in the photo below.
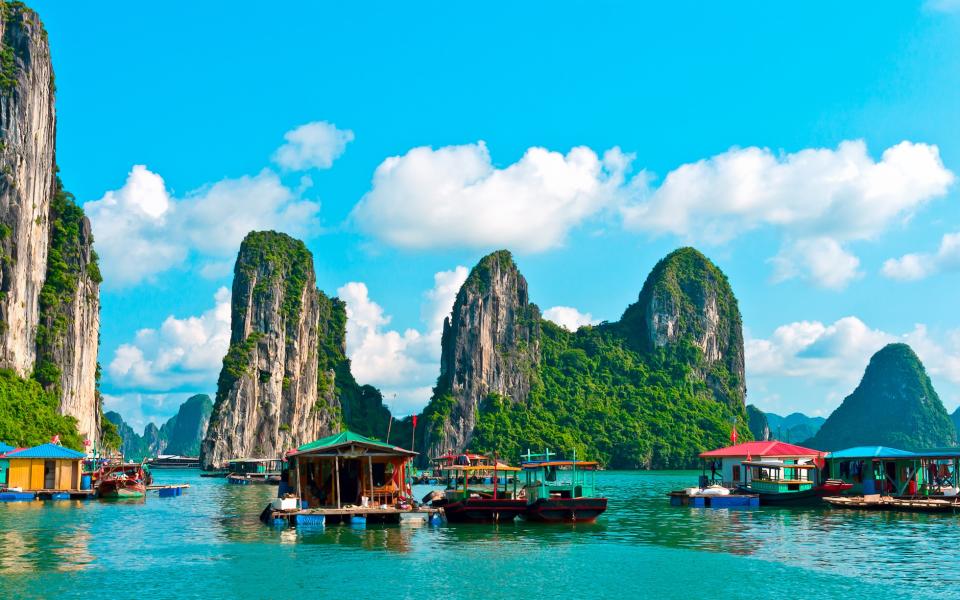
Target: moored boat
x,y
560,490
489,501
123,480
245,471
780,483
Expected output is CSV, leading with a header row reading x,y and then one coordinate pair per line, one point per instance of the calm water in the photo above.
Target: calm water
x,y
209,542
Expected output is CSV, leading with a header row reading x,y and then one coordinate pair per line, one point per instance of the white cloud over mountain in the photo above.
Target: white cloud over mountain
x,y
181,353
402,364
819,199
312,146
141,230
832,357
921,265
569,318
456,197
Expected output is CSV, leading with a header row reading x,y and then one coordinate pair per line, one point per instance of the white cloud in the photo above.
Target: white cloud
x,y
180,353
455,197
312,146
944,6
405,364
569,318
142,231
831,359
819,199
920,265
822,261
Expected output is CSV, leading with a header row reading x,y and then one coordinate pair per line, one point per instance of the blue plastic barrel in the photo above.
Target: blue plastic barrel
x,y
85,482
869,486
358,520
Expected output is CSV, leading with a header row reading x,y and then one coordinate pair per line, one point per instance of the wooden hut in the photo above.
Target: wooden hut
x,y
724,466
348,469
44,468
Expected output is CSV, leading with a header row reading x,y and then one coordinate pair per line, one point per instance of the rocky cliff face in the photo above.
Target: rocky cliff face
x,y
49,280
28,129
894,405
183,431
686,299
267,395
490,346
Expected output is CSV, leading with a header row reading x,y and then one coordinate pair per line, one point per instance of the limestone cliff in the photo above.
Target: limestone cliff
x,y
28,129
267,394
49,280
686,299
490,346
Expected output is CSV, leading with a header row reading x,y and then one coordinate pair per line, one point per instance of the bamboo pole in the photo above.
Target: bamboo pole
x,y
336,477
370,467
297,470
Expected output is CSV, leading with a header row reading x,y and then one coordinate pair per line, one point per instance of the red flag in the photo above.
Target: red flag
x,y
733,435
87,442
414,421
55,439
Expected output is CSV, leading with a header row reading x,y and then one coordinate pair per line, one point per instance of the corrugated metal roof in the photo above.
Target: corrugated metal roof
x,y
47,450
345,438
4,448
772,448
871,452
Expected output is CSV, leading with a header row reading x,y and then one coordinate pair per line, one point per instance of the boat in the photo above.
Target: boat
x,y
123,480
560,490
489,501
713,496
172,461
246,471
782,483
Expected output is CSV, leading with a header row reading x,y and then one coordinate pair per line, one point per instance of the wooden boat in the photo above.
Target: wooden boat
x,y
909,504
552,497
246,471
465,501
779,483
123,480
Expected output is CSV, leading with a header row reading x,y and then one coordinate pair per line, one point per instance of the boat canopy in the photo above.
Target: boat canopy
x,y
776,464
580,464
472,468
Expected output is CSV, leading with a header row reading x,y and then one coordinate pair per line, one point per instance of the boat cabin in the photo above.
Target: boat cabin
x,y
480,481
44,468
546,477
725,466
348,469
779,477
255,466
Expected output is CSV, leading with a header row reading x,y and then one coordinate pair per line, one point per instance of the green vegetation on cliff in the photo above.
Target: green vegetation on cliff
x,y
596,394
894,405
757,421
282,256
29,416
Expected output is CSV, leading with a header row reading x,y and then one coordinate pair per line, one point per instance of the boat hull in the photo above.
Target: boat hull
x,y
802,498
482,510
566,510
126,490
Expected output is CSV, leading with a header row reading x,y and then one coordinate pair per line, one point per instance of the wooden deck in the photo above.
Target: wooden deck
x,y
877,502
373,514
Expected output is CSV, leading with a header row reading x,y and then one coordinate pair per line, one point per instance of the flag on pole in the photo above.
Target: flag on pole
x,y
414,421
733,434
55,439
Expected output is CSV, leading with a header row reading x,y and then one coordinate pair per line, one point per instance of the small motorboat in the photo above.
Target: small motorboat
x,y
123,480
561,491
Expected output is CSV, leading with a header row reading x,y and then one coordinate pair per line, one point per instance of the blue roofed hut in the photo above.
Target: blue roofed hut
x,y
44,468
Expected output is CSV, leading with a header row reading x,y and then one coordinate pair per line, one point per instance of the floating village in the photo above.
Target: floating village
x,y
351,479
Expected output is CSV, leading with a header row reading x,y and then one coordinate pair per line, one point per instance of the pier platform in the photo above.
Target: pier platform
x,y
352,515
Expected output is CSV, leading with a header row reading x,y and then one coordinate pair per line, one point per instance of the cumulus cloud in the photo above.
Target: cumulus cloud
x,y
832,358
569,318
403,364
943,6
181,353
921,265
141,230
312,146
820,199
455,197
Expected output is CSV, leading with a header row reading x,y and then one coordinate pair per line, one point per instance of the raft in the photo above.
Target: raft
x,y
911,504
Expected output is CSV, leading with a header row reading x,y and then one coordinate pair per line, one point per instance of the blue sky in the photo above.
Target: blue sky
x,y
806,148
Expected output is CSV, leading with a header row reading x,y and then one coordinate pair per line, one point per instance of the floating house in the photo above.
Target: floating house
x,y
44,469
895,472
725,466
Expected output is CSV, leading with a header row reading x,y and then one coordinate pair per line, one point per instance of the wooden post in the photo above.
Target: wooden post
x,y
297,475
336,477
370,466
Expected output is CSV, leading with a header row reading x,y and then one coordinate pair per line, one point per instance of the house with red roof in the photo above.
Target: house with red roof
x,y
725,464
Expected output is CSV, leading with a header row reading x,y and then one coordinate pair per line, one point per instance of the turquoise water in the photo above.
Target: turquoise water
x,y
209,543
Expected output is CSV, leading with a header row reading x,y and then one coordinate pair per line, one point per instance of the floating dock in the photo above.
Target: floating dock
x,y
878,502
353,515
683,498
169,491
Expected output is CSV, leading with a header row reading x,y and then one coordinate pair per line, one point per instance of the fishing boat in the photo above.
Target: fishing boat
x,y
123,480
490,501
779,483
560,490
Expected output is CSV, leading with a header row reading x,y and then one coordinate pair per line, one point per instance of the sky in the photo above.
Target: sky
x,y
810,149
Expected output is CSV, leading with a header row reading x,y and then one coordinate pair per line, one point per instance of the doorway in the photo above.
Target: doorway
x,y
49,474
